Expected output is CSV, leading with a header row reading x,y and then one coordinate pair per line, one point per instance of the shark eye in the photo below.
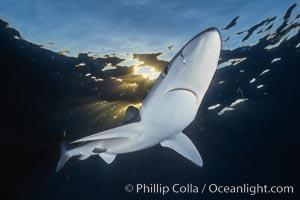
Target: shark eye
x,y
166,70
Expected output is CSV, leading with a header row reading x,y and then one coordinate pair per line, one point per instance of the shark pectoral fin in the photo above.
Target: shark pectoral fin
x,y
184,146
107,157
131,131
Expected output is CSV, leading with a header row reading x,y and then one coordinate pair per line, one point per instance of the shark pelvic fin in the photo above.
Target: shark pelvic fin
x,y
184,146
131,131
107,157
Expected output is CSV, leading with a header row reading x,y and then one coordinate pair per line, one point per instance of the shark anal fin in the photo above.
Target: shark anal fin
x,y
83,157
107,157
130,131
184,146
132,114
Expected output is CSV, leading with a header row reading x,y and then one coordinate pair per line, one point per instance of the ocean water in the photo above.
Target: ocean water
x,y
246,129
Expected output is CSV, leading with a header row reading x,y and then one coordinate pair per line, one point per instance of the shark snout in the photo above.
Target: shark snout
x,y
199,59
209,37
208,34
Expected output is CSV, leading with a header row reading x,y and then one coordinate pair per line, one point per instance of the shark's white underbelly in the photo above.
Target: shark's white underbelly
x,y
160,121
172,112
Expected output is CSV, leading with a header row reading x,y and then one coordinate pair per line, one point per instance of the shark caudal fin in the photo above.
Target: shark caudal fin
x,y
64,157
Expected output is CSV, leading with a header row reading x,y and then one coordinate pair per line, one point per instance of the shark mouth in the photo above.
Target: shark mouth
x,y
185,89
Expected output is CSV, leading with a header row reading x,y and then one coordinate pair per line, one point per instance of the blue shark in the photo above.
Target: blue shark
x,y
170,106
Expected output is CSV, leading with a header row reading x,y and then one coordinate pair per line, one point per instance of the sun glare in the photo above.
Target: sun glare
x,y
146,72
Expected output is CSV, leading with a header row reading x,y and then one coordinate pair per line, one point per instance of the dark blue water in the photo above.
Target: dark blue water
x,y
246,129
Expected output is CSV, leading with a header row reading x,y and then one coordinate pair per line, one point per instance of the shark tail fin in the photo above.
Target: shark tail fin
x,y
64,156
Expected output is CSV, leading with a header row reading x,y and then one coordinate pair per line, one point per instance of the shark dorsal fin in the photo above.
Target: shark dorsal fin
x,y
132,114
